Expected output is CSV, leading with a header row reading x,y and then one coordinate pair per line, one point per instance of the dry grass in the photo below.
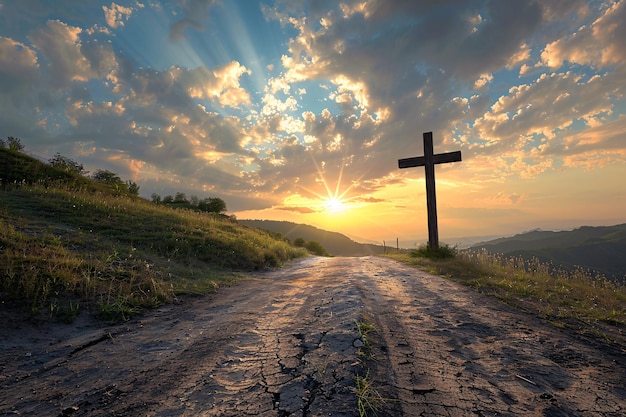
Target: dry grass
x,y
560,296
64,250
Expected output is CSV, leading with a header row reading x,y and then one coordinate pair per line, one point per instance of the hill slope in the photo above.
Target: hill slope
x,y
335,243
600,249
68,243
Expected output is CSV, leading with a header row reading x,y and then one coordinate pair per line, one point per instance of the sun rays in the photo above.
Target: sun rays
x,y
335,199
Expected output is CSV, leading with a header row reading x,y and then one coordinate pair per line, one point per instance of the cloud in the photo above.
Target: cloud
x,y
407,61
596,147
116,15
369,200
221,83
483,81
301,210
194,13
582,47
18,64
544,108
68,59
512,84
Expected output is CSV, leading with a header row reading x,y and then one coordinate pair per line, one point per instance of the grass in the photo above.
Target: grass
x,y
560,296
63,251
369,400
364,328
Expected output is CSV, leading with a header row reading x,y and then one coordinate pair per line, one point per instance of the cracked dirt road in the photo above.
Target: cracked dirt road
x,y
284,343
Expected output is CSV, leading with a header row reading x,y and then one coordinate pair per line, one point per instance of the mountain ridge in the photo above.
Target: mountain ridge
x,y
597,248
335,243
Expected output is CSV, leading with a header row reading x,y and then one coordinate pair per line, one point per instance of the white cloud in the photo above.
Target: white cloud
x,y
521,56
483,81
116,15
221,83
599,44
552,103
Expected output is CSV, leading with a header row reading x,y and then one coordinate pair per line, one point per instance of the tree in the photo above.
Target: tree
x,y
168,199
299,242
180,198
110,178
106,176
156,199
212,205
66,164
133,188
15,145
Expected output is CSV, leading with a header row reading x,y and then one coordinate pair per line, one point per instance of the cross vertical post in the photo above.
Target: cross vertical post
x,y
431,196
428,161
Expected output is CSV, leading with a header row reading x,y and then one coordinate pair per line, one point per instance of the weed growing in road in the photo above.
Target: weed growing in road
x,y
365,327
369,400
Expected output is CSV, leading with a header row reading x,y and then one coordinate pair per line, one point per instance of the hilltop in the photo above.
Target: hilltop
x,y
600,249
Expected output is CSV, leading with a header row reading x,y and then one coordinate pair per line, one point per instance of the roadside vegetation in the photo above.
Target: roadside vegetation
x,y
71,243
312,246
576,298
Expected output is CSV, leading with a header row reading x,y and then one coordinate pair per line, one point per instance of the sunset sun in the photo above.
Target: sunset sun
x,y
334,205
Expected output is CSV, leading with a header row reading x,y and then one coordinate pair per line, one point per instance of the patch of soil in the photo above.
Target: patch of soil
x,y
284,343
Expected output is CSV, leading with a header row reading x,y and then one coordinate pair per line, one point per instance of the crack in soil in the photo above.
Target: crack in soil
x,y
284,343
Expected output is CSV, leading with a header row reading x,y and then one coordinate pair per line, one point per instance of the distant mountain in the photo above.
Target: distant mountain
x,y
601,249
335,243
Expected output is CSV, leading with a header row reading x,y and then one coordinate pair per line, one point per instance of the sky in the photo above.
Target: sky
x,y
299,110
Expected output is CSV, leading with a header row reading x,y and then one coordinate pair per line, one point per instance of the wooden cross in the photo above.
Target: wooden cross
x,y
428,161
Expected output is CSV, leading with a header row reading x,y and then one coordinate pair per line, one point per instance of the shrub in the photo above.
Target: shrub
x,y
316,248
441,252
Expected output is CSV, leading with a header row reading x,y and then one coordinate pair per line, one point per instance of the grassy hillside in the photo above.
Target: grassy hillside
x,y
335,243
69,244
600,249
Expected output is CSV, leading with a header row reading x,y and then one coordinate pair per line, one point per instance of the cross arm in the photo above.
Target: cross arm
x,y
420,161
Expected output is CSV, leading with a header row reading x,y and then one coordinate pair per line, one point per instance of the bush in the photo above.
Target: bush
x,y
441,252
316,248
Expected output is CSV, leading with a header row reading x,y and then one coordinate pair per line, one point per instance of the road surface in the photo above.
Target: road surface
x,y
285,343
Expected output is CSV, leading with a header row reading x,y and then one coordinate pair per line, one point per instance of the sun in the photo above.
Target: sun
x,y
334,205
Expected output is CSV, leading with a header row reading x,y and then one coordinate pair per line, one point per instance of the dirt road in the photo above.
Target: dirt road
x,y
284,343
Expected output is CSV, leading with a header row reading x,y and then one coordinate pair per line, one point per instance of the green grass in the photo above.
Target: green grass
x,y
67,250
560,296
